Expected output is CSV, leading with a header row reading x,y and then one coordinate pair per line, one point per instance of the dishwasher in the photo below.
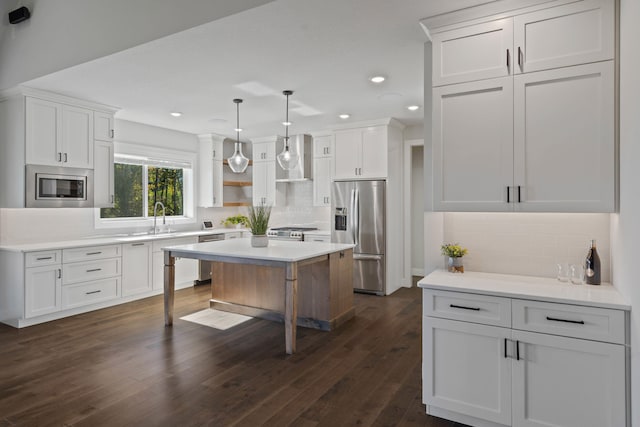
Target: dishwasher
x,y
204,267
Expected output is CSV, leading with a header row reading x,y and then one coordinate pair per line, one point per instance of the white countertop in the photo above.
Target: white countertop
x,y
278,250
526,287
110,240
318,233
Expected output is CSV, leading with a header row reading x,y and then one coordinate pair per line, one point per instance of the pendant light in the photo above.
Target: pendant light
x,y
287,159
238,162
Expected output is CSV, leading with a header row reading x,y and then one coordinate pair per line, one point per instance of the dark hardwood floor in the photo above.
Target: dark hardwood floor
x,y
121,367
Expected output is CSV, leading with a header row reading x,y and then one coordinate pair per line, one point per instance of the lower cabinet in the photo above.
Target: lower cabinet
x,y
186,270
485,375
80,294
136,268
43,288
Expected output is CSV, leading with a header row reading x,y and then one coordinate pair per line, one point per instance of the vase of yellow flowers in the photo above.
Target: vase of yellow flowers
x,y
454,253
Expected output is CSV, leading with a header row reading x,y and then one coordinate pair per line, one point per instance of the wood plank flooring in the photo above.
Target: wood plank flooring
x,y
121,367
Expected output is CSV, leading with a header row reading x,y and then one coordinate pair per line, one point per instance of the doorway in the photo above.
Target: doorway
x,y
414,210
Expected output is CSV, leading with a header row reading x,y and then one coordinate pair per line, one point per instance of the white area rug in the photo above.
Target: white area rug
x,y
216,319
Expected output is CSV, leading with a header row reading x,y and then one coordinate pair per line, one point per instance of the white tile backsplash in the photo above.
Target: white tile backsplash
x,y
528,243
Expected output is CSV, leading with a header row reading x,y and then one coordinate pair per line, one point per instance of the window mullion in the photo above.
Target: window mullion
x,y
145,191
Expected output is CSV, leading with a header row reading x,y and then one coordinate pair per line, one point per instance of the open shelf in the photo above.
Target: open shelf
x,y
230,204
237,183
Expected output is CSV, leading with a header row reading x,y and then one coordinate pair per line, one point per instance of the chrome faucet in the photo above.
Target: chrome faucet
x,y
155,216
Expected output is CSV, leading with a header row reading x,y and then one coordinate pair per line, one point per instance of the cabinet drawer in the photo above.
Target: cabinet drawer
x,y
90,293
593,323
90,270
488,310
159,244
37,259
93,252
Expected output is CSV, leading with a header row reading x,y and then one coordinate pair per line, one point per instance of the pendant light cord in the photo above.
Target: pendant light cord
x,y
286,128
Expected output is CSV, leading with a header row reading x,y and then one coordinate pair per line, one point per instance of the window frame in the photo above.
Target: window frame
x,y
157,154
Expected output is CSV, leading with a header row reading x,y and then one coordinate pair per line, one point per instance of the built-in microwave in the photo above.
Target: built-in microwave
x,y
56,187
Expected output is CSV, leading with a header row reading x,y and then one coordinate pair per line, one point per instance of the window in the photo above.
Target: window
x,y
159,184
144,176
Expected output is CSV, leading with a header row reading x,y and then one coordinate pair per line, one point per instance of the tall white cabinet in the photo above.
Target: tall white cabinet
x,y
322,165
523,108
264,171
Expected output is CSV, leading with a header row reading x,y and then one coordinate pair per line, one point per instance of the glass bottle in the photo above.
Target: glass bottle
x,y
592,266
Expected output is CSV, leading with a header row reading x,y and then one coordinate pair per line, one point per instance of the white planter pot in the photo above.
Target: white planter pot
x,y
260,241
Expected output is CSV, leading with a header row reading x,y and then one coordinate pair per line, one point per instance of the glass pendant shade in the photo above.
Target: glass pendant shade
x,y
287,159
238,162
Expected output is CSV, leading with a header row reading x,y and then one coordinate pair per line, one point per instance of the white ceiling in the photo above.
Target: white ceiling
x,y
323,50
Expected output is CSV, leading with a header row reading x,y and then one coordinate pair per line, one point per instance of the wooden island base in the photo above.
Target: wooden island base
x,y
324,290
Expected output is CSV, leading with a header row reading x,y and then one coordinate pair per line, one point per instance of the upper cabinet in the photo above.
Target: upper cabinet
x,y
577,33
210,171
58,134
361,153
523,110
322,163
264,171
103,126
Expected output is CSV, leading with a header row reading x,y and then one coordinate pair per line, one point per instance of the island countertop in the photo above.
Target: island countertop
x,y
278,250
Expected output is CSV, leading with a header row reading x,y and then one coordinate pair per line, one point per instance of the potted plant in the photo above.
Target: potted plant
x,y
258,222
236,221
454,253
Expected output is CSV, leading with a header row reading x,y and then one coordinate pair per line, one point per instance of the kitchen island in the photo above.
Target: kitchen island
x,y
310,284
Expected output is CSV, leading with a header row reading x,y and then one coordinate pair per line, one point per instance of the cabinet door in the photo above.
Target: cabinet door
x,y
43,131
564,139
43,290
264,151
136,268
476,52
577,33
466,369
264,183
322,181
567,382
102,126
473,146
103,178
374,153
322,146
348,154
77,137
218,183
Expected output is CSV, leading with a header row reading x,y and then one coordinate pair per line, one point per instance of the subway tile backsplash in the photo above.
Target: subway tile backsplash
x,y
528,243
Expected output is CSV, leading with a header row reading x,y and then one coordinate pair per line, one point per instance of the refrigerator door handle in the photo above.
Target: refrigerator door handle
x,y
352,221
356,218
360,257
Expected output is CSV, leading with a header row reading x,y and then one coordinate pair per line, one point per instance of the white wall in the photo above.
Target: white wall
x,y
64,33
625,227
530,244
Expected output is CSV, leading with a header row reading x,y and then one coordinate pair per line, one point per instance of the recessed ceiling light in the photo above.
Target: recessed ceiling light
x,y
413,107
176,113
344,116
377,79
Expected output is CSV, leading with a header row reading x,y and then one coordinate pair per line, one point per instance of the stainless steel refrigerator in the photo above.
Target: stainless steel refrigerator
x,y
359,209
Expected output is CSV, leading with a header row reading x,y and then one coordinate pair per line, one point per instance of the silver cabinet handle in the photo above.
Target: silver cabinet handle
x,y
359,171
355,171
93,270
93,292
94,253
508,192
519,198
43,258
137,244
520,58
214,154
112,133
508,65
65,157
59,157
112,199
59,273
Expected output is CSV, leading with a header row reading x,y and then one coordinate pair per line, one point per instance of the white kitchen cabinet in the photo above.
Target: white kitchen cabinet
x,y
136,268
211,171
577,33
473,146
361,153
564,148
322,146
58,134
570,382
322,181
498,361
264,183
474,52
42,290
103,175
264,151
103,126
466,369
186,270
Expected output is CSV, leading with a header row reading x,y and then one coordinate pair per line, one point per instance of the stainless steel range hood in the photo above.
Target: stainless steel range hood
x,y
300,144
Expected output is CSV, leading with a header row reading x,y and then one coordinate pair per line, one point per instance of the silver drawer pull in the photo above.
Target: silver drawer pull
x,y
464,308
93,292
43,258
94,253
137,244
555,319
94,270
